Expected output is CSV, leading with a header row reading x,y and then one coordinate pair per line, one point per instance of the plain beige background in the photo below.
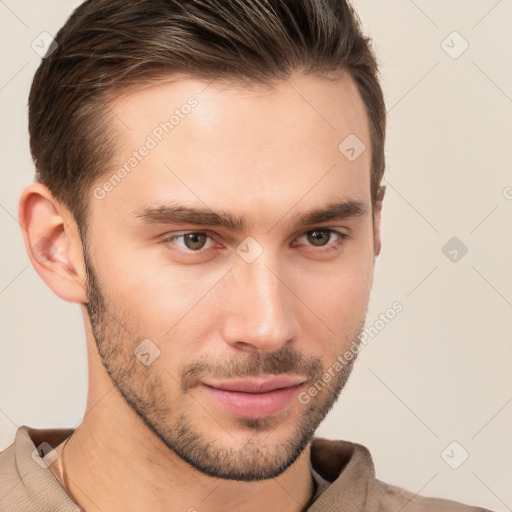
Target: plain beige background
x,y
440,371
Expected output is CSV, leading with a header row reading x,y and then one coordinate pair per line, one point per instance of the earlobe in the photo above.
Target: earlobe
x,y
377,215
52,242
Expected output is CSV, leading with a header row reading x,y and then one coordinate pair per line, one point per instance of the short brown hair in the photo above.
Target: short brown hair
x,y
107,45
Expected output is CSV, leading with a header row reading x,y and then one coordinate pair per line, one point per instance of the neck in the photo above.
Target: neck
x,y
106,470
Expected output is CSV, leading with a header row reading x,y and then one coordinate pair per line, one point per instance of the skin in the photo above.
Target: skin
x,y
152,438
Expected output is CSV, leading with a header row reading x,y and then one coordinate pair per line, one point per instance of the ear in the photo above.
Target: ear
x,y
377,214
53,243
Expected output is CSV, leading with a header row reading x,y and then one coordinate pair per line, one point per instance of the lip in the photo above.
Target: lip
x,y
253,385
254,398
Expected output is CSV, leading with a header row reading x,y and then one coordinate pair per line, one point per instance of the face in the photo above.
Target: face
x,y
230,264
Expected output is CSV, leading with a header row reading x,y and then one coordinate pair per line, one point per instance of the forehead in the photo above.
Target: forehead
x,y
245,147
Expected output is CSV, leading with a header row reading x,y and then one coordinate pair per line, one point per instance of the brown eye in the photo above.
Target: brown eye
x,y
318,237
194,241
323,238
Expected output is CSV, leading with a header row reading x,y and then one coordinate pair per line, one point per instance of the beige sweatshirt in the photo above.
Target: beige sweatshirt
x,y
343,472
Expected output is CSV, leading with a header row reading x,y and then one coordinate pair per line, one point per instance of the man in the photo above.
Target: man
x,y
208,190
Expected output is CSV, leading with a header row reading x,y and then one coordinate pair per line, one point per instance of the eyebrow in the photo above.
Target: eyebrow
x,y
182,214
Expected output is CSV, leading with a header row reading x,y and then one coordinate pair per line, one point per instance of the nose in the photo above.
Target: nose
x,y
260,313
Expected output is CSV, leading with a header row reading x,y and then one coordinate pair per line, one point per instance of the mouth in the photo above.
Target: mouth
x,y
254,398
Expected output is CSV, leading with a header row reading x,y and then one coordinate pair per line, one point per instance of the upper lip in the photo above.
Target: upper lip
x,y
253,385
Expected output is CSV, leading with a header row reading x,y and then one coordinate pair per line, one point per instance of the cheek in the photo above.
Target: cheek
x,y
337,296
156,296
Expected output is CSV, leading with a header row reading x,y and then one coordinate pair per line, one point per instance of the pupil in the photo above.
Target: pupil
x,y
314,238
195,240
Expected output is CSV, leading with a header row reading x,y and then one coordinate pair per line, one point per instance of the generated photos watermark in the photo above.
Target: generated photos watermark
x,y
152,140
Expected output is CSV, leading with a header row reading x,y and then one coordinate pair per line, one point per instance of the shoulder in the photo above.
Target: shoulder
x,y
349,468
392,497
10,477
26,483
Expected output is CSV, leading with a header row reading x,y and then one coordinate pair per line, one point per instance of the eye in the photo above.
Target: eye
x,y
193,241
320,237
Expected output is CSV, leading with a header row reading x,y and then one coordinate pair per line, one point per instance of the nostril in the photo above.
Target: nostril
x,y
247,347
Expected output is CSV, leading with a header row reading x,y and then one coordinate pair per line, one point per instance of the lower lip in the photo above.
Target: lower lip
x,y
254,405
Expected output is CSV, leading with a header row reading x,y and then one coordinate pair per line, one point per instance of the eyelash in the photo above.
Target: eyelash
x,y
340,241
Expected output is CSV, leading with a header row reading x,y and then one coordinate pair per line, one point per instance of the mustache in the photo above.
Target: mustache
x,y
284,361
